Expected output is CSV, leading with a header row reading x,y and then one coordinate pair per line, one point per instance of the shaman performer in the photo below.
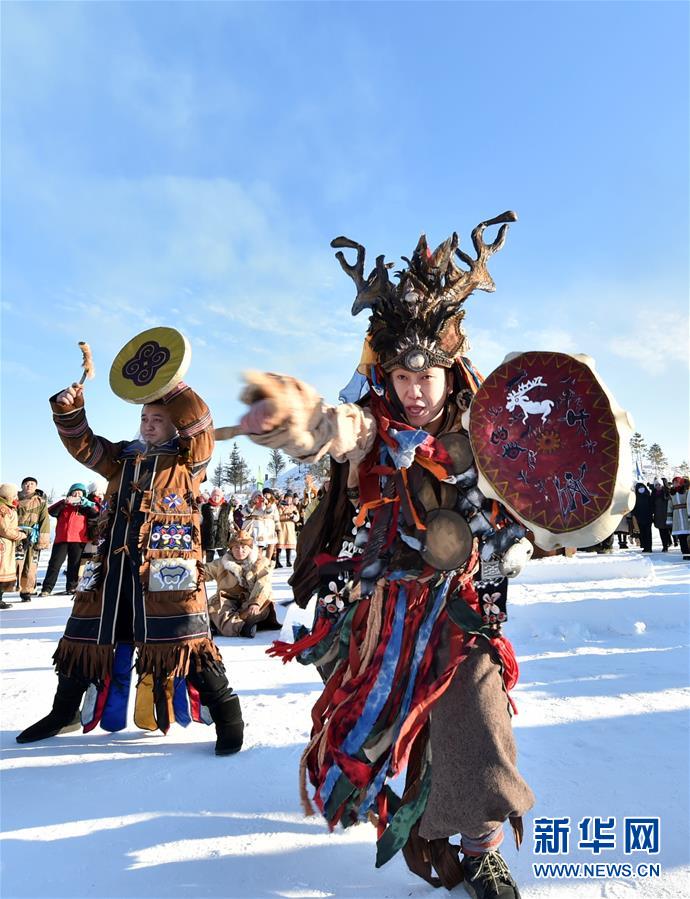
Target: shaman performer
x,y
146,589
407,633
244,598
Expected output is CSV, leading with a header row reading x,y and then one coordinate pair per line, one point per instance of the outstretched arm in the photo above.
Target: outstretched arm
x,y
288,414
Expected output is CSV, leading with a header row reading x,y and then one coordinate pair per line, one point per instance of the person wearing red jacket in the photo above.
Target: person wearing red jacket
x,y
71,536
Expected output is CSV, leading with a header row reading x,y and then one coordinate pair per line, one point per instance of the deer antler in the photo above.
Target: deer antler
x,y
369,290
461,283
522,389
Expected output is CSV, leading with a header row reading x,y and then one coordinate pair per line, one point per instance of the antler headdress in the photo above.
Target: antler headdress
x,y
416,323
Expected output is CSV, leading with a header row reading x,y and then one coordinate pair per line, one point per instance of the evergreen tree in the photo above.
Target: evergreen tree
x,y
276,463
656,458
683,469
218,476
236,469
245,474
637,448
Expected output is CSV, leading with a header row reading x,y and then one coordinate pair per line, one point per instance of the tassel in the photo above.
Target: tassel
x,y
518,829
288,651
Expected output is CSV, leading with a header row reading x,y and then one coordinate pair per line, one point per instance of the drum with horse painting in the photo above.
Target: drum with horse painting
x,y
552,445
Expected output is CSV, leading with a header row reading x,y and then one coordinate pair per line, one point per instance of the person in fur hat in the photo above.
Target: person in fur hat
x,y
32,511
243,600
10,536
144,593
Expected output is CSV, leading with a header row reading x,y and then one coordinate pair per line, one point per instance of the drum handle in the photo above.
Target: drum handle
x,y
228,433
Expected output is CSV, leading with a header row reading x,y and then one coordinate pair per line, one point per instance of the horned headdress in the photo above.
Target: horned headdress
x,y
417,323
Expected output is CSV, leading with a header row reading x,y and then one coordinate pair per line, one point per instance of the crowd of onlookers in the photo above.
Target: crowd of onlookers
x,y
273,518
25,532
663,505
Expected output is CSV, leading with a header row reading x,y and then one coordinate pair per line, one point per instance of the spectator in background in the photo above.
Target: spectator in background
x,y
10,535
660,513
96,495
215,524
272,524
678,513
622,532
642,513
71,536
237,513
32,512
289,518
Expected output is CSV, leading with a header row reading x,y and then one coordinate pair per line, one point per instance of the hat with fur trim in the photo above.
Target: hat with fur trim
x,y
240,538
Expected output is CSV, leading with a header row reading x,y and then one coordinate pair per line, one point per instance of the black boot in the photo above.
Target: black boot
x,y
227,716
216,693
64,716
248,630
487,876
288,558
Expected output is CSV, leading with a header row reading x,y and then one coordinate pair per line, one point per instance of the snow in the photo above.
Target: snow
x,y
602,730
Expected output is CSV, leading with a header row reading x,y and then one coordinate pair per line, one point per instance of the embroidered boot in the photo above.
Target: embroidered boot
x,y
487,876
64,716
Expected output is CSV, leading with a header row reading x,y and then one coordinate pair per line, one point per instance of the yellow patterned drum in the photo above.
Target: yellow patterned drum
x,y
150,365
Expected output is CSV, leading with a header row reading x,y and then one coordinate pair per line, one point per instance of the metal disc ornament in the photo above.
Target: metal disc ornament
x,y
459,449
150,365
552,445
448,540
433,494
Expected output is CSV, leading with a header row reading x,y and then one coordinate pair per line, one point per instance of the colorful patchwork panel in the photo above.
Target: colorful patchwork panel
x,y
171,535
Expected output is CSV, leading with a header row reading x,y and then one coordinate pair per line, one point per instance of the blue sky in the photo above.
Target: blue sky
x,y
188,163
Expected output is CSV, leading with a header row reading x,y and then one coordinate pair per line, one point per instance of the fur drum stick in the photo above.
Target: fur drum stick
x,y
86,361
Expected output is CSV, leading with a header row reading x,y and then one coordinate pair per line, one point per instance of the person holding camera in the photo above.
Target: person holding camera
x,y
73,513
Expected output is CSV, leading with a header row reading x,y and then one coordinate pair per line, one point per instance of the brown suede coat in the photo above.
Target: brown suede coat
x,y
147,584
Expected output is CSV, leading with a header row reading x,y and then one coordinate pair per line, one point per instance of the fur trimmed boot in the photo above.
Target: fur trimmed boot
x,y
64,716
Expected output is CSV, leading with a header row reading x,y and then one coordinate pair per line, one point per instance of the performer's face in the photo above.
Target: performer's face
x,y
29,488
423,394
156,424
240,551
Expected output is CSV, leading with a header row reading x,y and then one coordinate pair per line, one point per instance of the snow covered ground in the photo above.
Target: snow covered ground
x,y
602,731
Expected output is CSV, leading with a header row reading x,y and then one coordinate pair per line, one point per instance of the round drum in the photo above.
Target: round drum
x,y
552,445
150,365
